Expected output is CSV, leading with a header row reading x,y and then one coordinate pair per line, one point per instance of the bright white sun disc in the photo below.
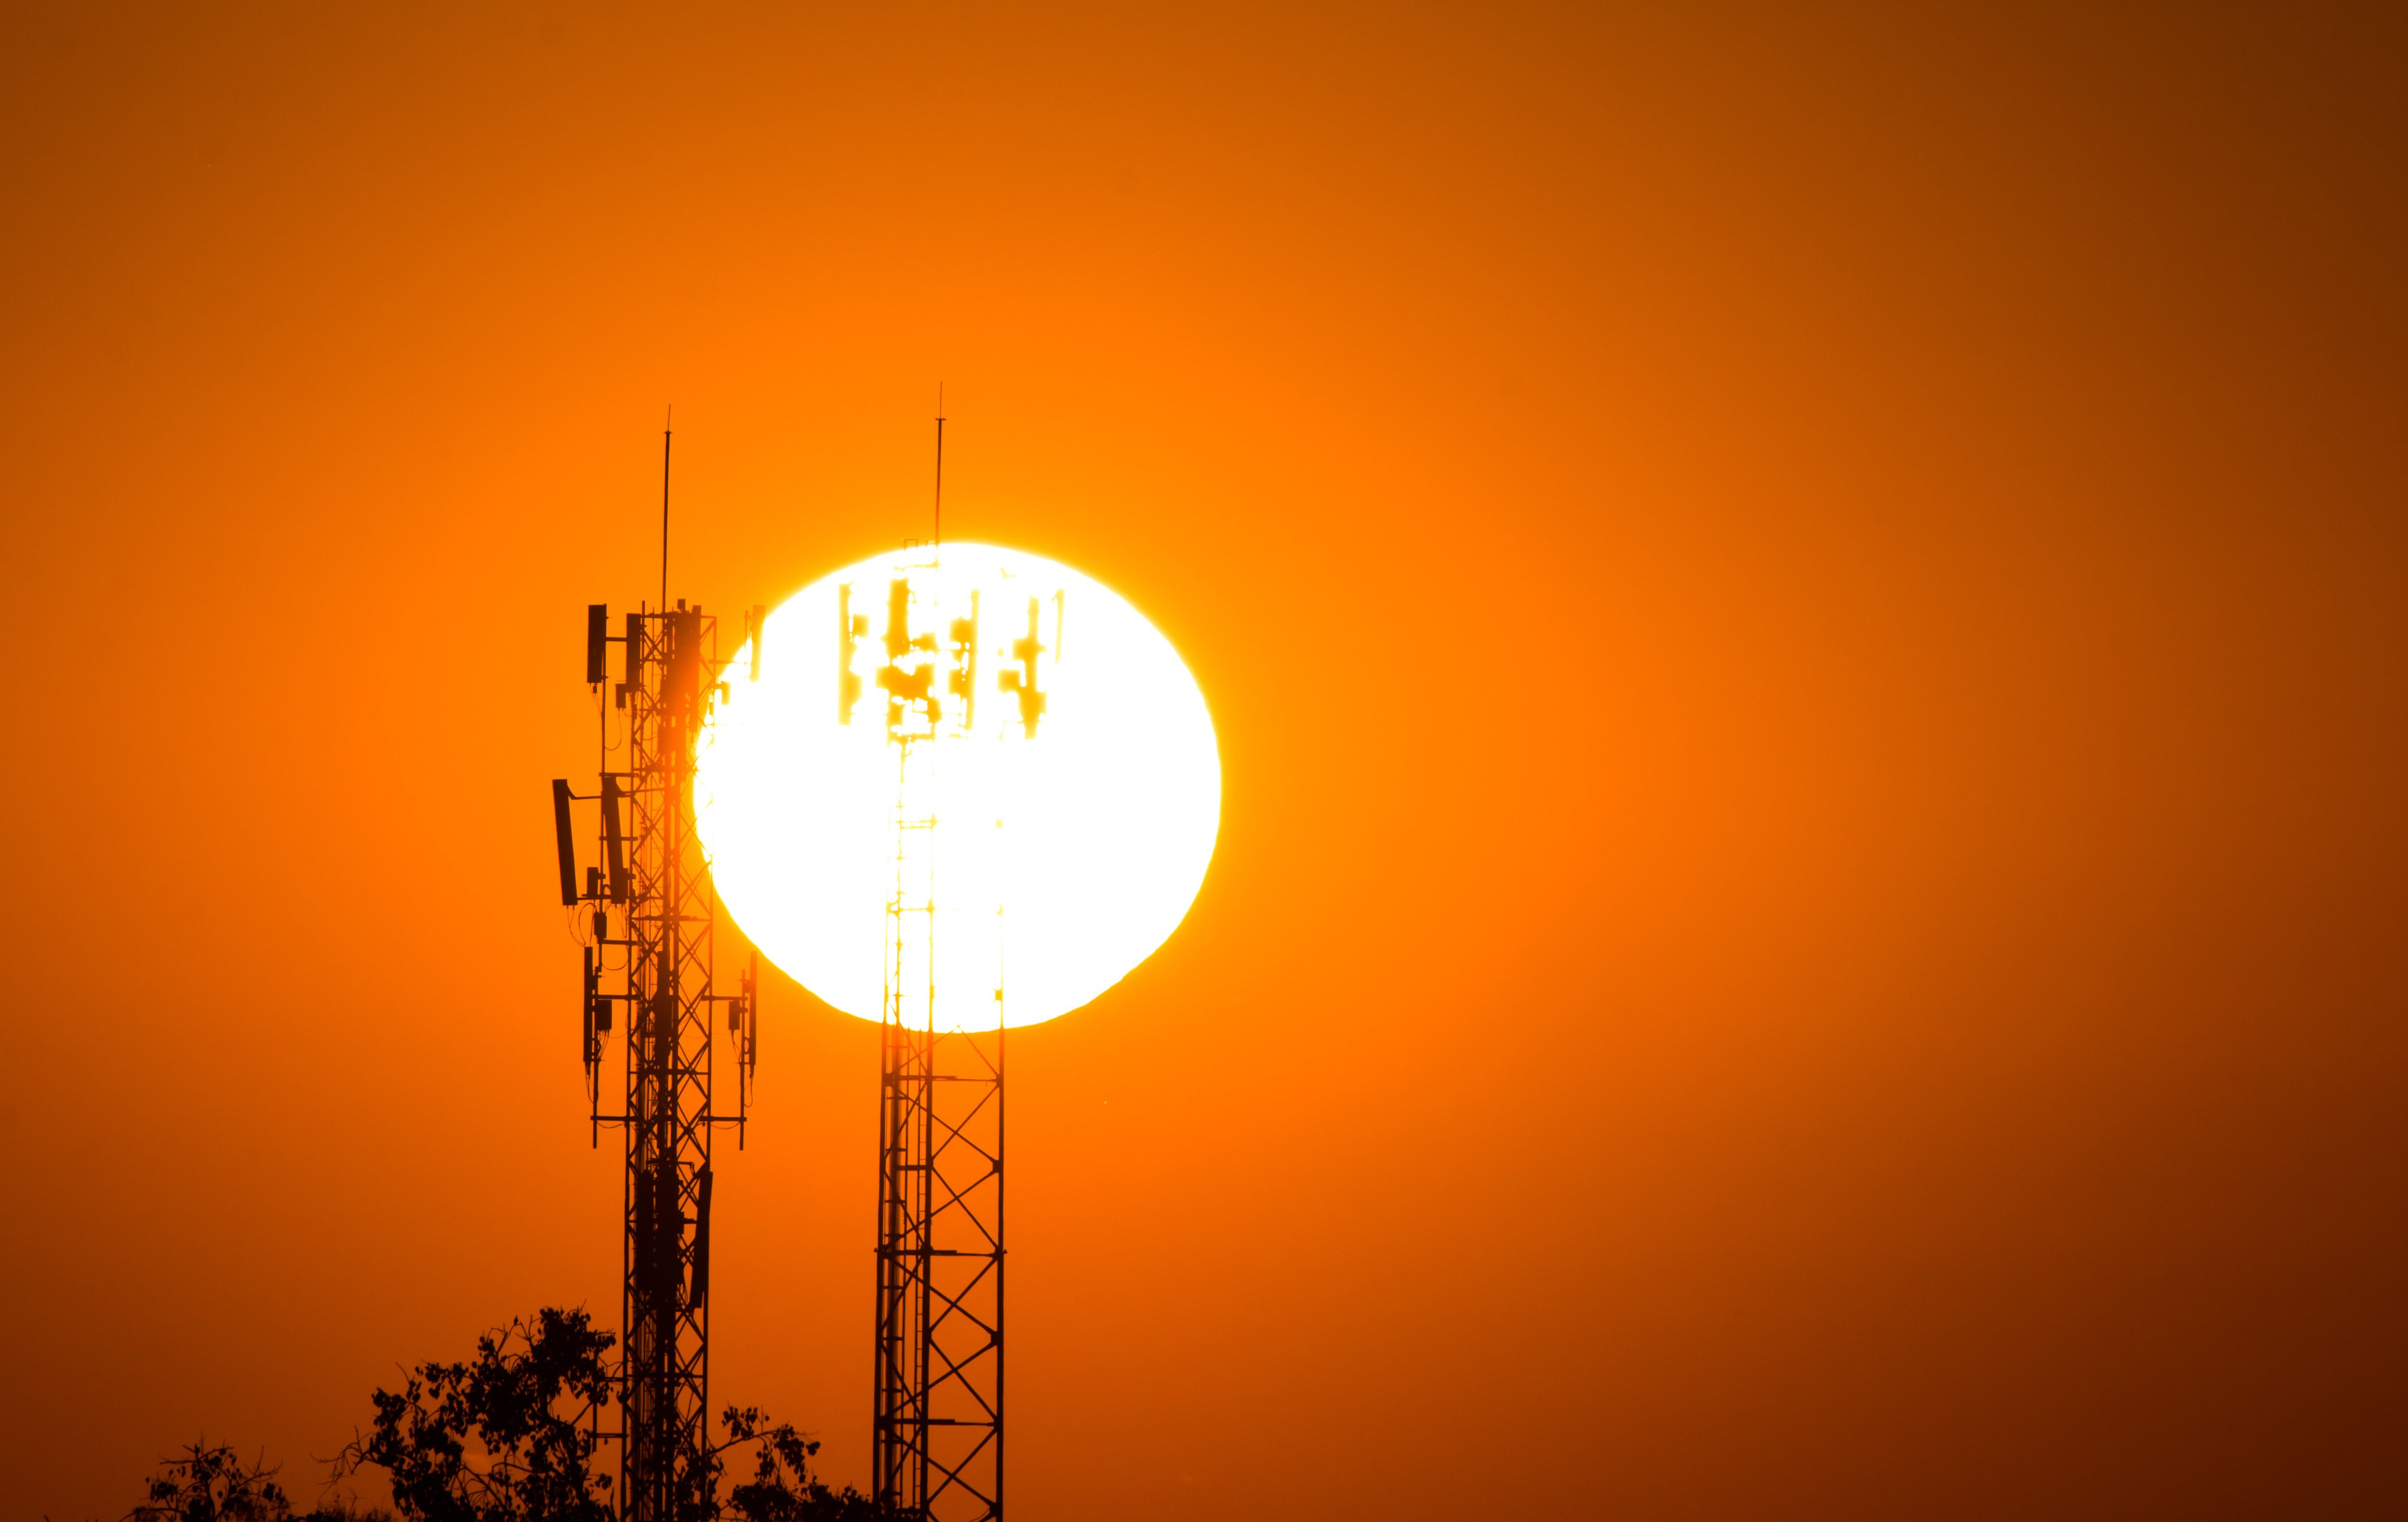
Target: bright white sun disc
x,y
987,857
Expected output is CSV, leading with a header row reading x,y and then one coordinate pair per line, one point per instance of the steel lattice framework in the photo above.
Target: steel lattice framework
x,y
937,1419
658,970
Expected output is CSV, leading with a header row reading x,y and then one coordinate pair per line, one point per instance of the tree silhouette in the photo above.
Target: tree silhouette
x,y
208,1484
512,1435
783,1489
212,1485
508,1436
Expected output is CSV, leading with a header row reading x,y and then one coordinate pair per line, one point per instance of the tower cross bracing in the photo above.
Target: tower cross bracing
x,y
938,1416
649,957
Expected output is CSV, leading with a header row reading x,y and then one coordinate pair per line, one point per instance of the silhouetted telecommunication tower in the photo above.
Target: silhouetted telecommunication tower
x,y
937,1418
648,959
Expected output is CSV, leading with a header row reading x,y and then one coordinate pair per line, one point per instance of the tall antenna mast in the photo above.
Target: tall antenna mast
x,y
665,505
649,962
937,529
937,1424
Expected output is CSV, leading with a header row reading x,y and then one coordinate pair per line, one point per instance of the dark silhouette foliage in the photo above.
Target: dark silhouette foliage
x,y
512,1435
208,1484
783,1489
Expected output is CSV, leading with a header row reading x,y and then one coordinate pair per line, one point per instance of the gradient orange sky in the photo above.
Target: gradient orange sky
x,y
1898,1014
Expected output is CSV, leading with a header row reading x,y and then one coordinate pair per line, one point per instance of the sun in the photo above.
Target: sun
x,y
1046,827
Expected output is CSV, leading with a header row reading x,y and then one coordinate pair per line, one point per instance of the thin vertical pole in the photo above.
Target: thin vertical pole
x,y
937,529
665,509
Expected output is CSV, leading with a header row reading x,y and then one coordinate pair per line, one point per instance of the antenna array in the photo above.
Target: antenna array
x,y
938,1414
646,913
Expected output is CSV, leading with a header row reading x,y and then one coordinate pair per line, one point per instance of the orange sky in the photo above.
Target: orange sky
x,y
1896,1010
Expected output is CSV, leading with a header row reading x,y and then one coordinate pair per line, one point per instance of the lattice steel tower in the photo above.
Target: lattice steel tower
x,y
938,1416
653,890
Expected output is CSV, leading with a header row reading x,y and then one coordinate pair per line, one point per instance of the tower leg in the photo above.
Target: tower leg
x,y
939,1421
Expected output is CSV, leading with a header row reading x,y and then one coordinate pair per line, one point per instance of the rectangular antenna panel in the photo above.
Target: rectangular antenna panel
x,y
567,840
682,681
614,838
